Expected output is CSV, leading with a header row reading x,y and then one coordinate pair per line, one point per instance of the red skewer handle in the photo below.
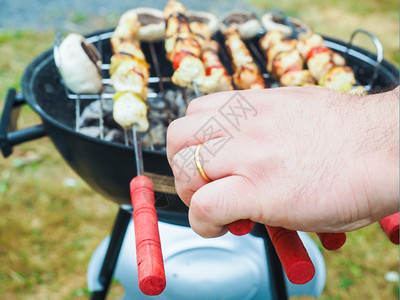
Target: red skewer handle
x,y
390,225
241,227
150,263
293,256
332,241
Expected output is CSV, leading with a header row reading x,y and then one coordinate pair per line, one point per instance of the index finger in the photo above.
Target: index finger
x,y
193,130
208,103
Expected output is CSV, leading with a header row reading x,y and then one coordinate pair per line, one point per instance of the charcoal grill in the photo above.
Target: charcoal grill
x,y
108,166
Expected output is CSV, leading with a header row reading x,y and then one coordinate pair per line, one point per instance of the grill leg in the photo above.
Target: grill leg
x,y
114,248
277,279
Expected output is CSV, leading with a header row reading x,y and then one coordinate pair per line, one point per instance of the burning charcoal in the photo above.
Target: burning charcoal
x,y
108,106
110,122
170,96
115,135
146,142
93,131
156,103
158,133
190,95
157,109
158,115
177,101
90,114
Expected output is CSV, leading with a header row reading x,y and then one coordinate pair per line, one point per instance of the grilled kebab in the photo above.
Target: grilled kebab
x,y
286,58
247,74
129,74
184,44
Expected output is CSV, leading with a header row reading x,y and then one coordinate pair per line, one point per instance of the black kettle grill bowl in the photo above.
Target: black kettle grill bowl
x,y
108,167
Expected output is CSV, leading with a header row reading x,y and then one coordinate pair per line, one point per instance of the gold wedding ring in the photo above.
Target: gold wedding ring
x,y
199,167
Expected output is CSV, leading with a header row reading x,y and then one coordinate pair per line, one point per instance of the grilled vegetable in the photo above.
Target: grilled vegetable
x,y
129,74
129,109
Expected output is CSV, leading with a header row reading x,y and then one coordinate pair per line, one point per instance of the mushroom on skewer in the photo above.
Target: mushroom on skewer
x,y
79,65
205,18
246,23
288,26
152,25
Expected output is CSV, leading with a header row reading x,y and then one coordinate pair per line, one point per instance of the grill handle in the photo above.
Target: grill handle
x,y
9,136
379,53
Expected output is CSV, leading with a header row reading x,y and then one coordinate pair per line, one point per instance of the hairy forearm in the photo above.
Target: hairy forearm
x,y
311,159
381,148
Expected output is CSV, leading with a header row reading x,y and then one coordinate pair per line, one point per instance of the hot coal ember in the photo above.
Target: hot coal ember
x,y
160,113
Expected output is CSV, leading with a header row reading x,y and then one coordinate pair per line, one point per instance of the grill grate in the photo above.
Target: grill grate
x,y
160,78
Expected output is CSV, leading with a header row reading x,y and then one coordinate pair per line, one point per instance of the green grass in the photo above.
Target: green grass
x,y
338,19
296,8
48,231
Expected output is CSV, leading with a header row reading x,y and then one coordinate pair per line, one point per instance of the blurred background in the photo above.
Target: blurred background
x,y
51,221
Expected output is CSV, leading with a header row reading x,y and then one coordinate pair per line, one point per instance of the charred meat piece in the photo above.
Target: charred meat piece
x,y
297,77
184,45
212,64
305,45
277,48
321,59
247,75
339,78
270,38
286,60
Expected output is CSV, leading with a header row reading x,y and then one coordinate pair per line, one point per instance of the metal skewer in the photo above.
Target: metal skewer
x,y
196,89
150,139
183,91
151,274
160,82
101,117
126,137
77,112
137,144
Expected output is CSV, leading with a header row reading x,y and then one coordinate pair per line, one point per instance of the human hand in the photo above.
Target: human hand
x,y
306,159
